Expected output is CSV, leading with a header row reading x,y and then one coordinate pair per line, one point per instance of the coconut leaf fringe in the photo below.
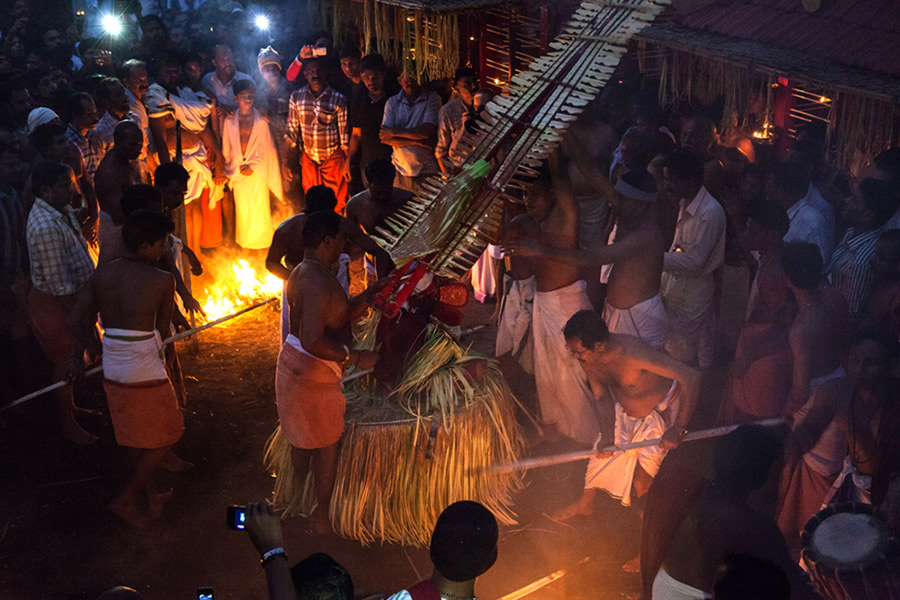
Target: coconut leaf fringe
x,y
387,488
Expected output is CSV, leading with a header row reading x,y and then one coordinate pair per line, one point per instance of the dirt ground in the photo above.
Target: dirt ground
x,y
57,539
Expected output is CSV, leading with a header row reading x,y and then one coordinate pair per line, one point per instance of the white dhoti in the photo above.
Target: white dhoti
x,y
565,397
193,160
859,488
615,474
514,329
666,587
484,273
133,356
646,320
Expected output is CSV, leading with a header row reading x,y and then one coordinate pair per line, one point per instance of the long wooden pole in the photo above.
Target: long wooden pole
x,y
558,459
174,338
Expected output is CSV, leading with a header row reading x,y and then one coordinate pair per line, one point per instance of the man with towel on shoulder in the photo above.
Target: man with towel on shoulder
x,y
312,361
135,301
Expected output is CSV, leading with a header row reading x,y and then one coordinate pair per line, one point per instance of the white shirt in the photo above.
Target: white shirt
x,y
697,251
224,92
399,113
809,225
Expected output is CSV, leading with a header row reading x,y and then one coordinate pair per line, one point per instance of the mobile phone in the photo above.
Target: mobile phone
x,y
320,51
237,516
204,593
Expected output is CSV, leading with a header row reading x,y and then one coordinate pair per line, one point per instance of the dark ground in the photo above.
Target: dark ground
x,y
58,541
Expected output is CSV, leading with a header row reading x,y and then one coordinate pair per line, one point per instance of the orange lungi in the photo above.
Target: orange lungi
x,y
144,415
328,173
211,234
310,402
48,318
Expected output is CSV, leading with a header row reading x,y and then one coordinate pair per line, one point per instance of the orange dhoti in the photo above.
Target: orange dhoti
x,y
330,173
310,401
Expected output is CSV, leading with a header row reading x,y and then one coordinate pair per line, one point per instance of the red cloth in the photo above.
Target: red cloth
x,y
329,173
424,590
762,391
802,493
310,402
144,415
211,234
673,491
48,318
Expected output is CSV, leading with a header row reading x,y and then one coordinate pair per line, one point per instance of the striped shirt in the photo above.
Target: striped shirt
x,y
88,153
850,272
13,249
318,124
451,127
60,261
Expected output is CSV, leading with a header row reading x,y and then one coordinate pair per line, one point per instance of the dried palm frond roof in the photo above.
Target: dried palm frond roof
x,y
446,5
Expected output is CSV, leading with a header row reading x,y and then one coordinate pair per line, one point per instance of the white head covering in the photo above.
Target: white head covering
x,y
40,116
268,56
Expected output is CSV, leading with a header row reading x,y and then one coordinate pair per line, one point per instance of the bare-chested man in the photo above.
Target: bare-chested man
x,y
287,249
514,340
169,103
135,300
633,304
653,395
119,170
719,522
371,208
863,404
816,333
564,395
314,356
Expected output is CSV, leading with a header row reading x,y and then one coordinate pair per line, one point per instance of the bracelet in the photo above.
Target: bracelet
x,y
273,553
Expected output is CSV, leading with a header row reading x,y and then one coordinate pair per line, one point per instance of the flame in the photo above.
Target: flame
x,y
235,290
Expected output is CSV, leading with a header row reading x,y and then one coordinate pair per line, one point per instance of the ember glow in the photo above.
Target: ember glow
x,y
238,288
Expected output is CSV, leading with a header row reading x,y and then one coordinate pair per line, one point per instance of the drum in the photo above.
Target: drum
x,y
850,554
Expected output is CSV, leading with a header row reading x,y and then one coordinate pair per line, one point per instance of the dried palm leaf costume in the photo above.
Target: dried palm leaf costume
x,y
410,450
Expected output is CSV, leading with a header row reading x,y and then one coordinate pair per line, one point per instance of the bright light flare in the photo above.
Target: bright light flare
x,y
111,25
262,22
238,289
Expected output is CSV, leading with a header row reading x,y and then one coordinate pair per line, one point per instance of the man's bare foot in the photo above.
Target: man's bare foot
x,y
78,436
579,509
633,565
156,501
128,512
174,464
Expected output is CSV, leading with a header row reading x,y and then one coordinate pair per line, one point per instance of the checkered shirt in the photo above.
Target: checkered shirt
x,y
101,137
318,124
88,153
60,261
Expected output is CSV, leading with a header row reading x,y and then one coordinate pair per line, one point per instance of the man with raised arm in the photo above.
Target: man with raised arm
x,y
313,358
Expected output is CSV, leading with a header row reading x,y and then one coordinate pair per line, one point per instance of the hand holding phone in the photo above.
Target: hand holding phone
x,y
205,593
236,517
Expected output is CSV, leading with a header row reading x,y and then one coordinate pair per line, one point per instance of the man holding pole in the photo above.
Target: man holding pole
x,y
653,394
135,301
311,365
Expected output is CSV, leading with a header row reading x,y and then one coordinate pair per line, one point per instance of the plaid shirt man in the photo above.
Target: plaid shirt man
x,y
60,262
451,127
318,125
88,153
101,137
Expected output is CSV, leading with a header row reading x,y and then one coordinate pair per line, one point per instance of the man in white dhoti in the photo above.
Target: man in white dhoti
x,y
654,396
251,165
633,303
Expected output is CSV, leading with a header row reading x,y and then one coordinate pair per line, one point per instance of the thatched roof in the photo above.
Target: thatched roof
x,y
446,5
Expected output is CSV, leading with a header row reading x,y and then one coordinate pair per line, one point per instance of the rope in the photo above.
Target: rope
x,y
174,338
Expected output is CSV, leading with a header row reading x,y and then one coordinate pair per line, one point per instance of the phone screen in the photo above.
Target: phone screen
x,y
205,593
236,517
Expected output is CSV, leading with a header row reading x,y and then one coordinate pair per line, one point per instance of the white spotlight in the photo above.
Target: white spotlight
x,y
111,25
262,22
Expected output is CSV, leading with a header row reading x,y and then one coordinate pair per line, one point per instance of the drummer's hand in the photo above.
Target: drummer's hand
x,y
366,360
672,438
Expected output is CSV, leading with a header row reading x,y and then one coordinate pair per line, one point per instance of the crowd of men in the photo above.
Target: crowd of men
x,y
638,262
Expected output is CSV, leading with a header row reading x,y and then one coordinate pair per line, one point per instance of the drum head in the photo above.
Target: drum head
x,y
848,540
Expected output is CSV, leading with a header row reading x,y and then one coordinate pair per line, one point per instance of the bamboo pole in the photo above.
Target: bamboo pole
x,y
174,338
567,457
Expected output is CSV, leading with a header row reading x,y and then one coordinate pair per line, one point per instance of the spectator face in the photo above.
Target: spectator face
x,y
867,364
132,144
193,72
465,87
313,73
245,101
350,67
380,192
35,62
59,149
9,167
60,193
173,194
854,209
373,80
677,187
118,101
224,63
168,77
271,74
15,48
410,86
52,39
152,32
539,201
88,118
178,38
138,82
695,138
481,99
45,86
19,105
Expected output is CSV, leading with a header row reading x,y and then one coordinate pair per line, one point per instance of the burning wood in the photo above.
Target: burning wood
x,y
237,285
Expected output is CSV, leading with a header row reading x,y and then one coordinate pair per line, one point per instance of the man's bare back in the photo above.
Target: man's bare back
x,y
112,178
635,277
369,214
815,338
558,228
114,286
